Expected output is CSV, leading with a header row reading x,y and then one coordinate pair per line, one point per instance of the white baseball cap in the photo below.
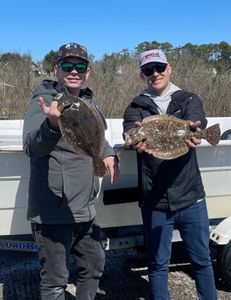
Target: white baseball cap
x,y
154,55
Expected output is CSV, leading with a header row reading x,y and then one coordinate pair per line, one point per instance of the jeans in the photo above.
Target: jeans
x,y
193,225
55,243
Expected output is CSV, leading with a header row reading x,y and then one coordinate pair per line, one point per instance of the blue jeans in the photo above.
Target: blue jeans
x,y
55,243
193,225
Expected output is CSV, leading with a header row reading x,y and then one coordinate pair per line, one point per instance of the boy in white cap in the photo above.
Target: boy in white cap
x,y
171,191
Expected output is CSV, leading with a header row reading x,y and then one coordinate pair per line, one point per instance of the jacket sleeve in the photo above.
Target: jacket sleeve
x,y
131,115
38,138
194,111
108,151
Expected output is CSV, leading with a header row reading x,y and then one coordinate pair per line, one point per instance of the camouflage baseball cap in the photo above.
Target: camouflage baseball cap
x,y
72,50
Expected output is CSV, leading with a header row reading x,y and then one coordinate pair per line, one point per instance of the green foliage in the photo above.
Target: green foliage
x,y
49,61
217,55
10,57
167,47
15,59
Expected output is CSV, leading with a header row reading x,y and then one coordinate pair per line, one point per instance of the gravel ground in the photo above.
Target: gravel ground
x,y
125,278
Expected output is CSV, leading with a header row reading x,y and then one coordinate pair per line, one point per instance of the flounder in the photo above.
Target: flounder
x,y
166,135
83,128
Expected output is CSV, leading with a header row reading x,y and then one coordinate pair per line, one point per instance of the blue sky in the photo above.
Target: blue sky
x,y
37,27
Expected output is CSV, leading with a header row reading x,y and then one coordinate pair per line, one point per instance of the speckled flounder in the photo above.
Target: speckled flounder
x,y
83,128
165,135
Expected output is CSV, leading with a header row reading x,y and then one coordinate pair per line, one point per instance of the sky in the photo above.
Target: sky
x,y
36,27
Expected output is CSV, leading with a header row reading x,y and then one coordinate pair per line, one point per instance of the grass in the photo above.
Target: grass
x,y
115,84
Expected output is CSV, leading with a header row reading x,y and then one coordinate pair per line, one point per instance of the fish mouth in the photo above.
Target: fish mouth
x,y
67,106
64,106
131,141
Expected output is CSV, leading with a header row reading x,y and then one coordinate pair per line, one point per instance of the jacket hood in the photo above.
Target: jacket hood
x,y
52,88
47,87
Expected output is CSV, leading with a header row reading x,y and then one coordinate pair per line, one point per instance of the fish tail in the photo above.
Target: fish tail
x,y
99,167
212,134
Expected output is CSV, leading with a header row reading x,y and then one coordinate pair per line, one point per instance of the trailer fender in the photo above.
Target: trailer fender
x,y
221,235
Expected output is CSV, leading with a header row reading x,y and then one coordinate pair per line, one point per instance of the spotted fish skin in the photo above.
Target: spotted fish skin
x,y
82,128
165,136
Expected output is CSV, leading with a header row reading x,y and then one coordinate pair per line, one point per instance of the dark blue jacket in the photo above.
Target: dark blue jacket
x,y
168,184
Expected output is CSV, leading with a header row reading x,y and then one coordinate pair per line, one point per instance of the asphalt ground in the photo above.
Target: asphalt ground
x,y
125,277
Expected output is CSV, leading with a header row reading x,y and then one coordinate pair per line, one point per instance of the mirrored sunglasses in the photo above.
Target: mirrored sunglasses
x,y
69,67
149,70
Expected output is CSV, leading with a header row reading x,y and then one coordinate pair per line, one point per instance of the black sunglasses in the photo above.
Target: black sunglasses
x,y
149,70
69,67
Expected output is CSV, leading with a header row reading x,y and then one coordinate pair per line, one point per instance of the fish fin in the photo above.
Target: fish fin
x,y
212,134
168,155
99,167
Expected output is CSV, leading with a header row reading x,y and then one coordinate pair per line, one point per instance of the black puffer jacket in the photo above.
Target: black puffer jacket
x,y
168,184
62,185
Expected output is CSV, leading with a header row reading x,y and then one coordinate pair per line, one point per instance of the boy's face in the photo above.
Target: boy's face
x,y
72,72
158,79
